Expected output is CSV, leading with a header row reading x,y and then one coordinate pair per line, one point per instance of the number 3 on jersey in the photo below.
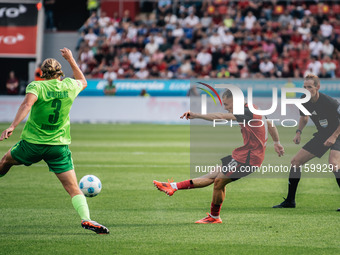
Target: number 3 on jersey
x,y
53,118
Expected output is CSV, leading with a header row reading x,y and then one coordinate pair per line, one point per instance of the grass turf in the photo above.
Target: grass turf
x,y
37,216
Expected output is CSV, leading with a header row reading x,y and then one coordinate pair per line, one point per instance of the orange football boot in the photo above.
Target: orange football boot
x,y
209,220
165,187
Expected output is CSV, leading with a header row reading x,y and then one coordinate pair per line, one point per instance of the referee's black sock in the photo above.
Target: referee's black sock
x,y
337,177
294,178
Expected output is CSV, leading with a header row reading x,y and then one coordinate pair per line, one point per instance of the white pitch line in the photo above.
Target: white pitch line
x,y
133,153
121,166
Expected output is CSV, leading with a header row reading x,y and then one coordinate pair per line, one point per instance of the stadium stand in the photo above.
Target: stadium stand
x,y
213,39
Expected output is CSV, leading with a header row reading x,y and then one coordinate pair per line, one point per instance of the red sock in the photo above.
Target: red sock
x,y
215,209
185,184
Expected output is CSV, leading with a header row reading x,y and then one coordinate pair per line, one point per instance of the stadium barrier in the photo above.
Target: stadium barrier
x,y
261,87
165,110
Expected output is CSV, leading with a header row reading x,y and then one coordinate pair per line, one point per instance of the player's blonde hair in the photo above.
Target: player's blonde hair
x,y
51,69
314,78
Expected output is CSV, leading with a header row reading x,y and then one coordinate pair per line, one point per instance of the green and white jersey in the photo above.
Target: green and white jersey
x,y
49,121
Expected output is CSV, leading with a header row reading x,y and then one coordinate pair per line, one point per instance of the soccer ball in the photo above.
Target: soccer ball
x,y
90,185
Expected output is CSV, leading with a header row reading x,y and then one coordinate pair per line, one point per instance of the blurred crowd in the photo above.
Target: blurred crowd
x,y
214,39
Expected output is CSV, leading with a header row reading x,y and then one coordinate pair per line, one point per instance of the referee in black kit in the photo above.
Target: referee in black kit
x,y
326,117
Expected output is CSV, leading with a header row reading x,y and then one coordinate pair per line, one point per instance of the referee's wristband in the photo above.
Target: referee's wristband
x,y
278,142
298,130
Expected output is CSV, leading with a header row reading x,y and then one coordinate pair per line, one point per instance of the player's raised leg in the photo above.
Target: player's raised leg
x,y
69,181
334,161
6,163
171,187
298,160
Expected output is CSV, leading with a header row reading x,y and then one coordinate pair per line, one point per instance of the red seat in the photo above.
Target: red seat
x,y
313,9
222,9
336,8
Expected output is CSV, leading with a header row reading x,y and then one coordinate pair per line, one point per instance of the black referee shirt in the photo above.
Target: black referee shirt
x,y
325,114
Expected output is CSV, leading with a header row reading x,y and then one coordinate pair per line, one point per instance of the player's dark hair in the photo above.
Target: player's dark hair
x,y
227,94
51,69
314,78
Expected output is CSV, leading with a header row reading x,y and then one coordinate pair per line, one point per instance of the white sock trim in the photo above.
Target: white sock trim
x,y
214,217
174,185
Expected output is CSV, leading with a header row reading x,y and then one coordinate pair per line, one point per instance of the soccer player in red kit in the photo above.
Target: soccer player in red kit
x,y
246,157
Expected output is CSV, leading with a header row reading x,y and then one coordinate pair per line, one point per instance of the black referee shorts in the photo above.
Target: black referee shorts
x,y
316,147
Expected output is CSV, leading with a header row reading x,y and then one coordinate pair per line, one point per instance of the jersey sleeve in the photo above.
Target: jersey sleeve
x,y
33,88
75,86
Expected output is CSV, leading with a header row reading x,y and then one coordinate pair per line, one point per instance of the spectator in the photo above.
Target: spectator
x,y
193,92
215,40
191,20
240,57
110,75
249,20
315,47
49,14
268,47
326,29
142,73
151,47
328,68
92,6
206,20
12,84
186,68
164,7
314,66
110,88
267,68
140,63
204,57
304,30
233,69
228,38
237,31
295,22
134,55
178,31
38,73
327,48
223,73
143,93
228,21
91,37
104,21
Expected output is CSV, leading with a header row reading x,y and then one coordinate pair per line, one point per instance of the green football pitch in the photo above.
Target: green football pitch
x,y
37,216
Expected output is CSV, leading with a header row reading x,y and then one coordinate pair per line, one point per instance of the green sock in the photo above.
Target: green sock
x,y
80,204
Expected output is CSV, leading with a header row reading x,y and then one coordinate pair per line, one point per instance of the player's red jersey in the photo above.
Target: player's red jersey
x,y
255,134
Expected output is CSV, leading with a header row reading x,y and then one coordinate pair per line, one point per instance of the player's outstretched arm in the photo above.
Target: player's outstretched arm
x,y
275,136
302,123
77,73
23,110
210,116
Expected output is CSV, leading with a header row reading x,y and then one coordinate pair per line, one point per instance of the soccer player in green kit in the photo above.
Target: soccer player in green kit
x,y
46,134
